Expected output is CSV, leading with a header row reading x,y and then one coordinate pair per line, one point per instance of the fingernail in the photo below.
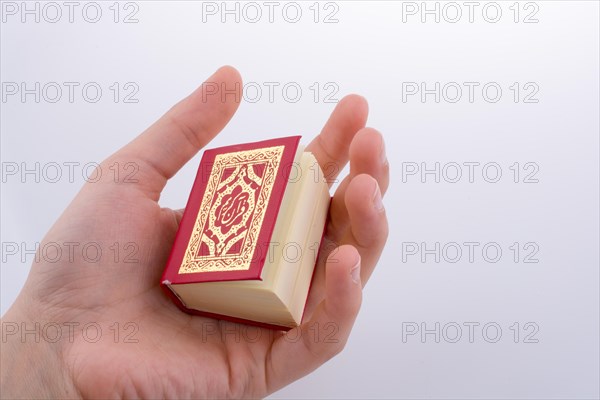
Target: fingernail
x,y
382,154
355,272
377,200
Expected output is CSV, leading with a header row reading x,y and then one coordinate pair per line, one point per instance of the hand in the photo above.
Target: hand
x,y
178,355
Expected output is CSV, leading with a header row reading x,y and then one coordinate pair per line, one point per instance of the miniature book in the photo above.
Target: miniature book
x,y
249,238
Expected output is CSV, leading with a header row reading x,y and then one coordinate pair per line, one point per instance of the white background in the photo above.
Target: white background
x,y
373,49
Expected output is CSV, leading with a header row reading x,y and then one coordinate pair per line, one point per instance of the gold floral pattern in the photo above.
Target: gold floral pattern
x,y
232,211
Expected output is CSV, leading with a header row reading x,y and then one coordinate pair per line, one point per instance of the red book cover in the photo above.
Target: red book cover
x,y
230,215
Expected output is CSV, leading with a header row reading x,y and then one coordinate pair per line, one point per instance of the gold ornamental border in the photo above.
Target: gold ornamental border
x,y
194,263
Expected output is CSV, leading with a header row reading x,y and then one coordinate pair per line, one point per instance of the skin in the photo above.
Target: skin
x,y
176,355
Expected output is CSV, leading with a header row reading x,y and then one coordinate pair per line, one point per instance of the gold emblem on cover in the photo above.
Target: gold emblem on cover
x,y
232,210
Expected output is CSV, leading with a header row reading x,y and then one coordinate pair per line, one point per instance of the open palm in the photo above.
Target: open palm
x,y
122,337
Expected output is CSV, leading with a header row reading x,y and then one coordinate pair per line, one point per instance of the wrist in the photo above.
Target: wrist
x,y
30,364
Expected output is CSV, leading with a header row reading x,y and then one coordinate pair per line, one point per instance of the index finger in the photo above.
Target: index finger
x,y
331,147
